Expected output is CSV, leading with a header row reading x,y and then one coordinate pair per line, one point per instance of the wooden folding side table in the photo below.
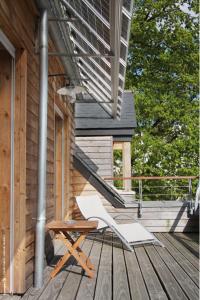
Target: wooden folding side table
x,y
62,230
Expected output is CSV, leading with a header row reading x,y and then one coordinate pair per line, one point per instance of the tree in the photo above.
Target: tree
x,y
162,72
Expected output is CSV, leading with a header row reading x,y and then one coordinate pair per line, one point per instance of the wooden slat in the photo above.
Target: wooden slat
x,y
20,171
54,286
182,278
183,250
191,245
152,282
104,279
33,294
172,288
120,280
191,237
5,163
87,287
182,261
58,167
71,285
138,289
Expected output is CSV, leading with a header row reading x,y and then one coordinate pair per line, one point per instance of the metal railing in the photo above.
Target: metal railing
x,y
161,188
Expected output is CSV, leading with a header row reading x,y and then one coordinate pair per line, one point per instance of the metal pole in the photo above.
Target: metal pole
x,y
140,200
43,108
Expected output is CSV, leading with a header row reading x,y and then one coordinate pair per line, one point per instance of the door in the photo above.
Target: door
x,y
6,166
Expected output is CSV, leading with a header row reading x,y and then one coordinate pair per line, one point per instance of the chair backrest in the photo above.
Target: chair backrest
x,y
91,207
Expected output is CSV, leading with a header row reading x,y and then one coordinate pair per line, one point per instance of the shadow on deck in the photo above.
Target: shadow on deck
x,y
150,272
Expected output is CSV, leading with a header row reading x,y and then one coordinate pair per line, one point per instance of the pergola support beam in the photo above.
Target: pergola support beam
x,y
81,54
115,34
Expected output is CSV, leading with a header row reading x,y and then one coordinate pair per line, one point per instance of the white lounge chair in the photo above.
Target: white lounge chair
x,y
132,234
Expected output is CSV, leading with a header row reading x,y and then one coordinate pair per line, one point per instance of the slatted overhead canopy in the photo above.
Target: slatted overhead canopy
x,y
99,33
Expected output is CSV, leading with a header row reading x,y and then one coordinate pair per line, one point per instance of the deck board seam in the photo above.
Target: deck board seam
x,y
82,273
126,271
183,271
142,274
157,273
177,249
179,263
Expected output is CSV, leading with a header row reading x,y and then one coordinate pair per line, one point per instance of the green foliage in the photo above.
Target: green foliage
x,y
117,168
162,72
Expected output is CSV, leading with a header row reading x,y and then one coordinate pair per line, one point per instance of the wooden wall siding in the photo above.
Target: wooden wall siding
x,y
98,154
5,180
159,217
18,22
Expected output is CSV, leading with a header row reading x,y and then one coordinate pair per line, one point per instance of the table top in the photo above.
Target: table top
x,y
72,225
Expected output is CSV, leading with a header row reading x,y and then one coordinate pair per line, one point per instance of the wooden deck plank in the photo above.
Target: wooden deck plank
x,y
149,272
172,288
192,258
104,278
152,282
188,243
181,260
87,286
189,287
8,297
191,236
137,286
32,293
71,285
120,280
55,285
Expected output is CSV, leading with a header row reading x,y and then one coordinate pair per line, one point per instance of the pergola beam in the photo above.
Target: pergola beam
x,y
98,92
97,14
99,100
95,74
95,50
96,82
102,19
81,54
67,20
88,43
94,62
115,34
65,3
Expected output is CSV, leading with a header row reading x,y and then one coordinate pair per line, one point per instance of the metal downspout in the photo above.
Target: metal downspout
x,y
42,151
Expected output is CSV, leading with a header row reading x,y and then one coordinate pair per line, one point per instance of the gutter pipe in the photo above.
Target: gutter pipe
x,y
62,43
45,10
42,151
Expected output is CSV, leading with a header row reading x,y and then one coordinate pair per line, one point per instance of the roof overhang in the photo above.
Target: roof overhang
x,y
95,35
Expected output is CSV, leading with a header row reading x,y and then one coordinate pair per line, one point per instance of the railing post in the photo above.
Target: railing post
x,y
190,196
140,199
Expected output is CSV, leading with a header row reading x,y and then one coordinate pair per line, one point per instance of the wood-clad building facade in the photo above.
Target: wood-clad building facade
x,y
87,46
19,119
73,50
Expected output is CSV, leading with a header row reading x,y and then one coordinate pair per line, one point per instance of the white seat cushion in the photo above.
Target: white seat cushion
x,y
134,232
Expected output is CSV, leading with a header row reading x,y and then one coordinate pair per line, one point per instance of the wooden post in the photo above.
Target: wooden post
x,y
127,164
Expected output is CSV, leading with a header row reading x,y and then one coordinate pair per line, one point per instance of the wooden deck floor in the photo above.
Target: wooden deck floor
x,y
150,272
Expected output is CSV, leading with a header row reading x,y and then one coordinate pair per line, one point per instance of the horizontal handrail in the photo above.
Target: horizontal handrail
x,y
151,177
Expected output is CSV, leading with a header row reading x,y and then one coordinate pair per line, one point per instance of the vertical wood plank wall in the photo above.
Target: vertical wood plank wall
x,y
5,154
97,152
19,22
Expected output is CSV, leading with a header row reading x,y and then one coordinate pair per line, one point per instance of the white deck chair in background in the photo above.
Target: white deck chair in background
x,y
132,234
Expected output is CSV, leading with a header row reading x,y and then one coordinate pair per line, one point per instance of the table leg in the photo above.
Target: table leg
x,y
79,257
65,257
82,254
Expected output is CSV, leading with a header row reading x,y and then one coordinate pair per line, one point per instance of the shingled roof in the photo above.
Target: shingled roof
x,y
92,120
